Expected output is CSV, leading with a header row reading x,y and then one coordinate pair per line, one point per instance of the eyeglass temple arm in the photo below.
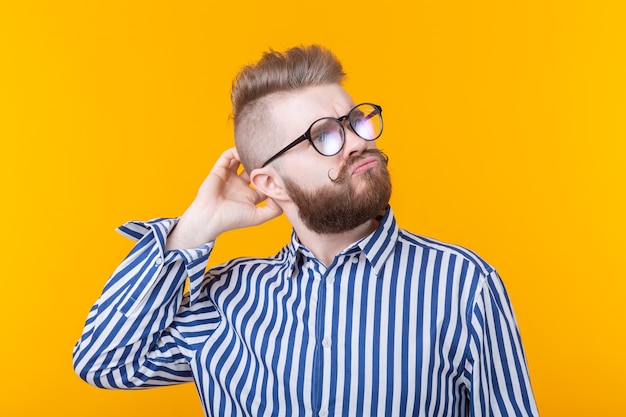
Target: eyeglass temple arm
x,y
285,149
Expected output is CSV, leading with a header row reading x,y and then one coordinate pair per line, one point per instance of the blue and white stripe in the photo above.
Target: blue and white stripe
x,y
397,325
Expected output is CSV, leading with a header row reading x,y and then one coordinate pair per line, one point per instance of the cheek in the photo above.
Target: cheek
x,y
313,172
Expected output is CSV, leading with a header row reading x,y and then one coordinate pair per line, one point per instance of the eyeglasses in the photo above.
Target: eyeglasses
x,y
327,135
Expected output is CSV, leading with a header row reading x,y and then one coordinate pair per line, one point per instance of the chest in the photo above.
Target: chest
x,y
317,337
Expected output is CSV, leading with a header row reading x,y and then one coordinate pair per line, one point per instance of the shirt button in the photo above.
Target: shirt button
x,y
158,261
323,413
330,280
327,342
355,260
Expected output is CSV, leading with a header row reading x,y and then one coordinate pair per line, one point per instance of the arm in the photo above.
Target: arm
x,y
224,202
132,336
496,363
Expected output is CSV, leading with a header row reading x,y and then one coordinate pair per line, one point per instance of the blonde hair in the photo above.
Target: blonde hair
x,y
256,136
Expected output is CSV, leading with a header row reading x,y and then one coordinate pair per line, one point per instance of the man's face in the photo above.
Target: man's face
x,y
333,194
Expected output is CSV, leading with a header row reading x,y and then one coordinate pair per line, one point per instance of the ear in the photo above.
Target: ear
x,y
269,182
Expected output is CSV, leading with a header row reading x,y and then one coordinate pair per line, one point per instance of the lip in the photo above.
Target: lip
x,y
365,165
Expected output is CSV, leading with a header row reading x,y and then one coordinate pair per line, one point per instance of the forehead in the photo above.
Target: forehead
x,y
294,111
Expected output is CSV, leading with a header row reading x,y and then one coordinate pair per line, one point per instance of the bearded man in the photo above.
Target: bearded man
x,y
354,316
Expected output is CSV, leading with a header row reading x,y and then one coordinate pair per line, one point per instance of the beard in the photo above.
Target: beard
x,y
342,205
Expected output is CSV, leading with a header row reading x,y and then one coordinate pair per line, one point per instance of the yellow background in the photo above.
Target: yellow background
x,y
505,125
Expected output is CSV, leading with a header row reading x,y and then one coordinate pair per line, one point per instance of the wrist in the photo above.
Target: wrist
x,y
189,234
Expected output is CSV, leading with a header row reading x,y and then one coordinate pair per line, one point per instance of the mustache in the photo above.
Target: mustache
x,y
344,172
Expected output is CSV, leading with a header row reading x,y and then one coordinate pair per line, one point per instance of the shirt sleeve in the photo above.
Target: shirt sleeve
x,y
495,361
132,337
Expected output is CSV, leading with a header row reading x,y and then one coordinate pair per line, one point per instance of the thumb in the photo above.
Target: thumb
x,y
268,211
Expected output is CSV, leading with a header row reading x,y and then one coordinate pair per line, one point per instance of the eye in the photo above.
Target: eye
x,y
323,130
327,136
364,128
320,136
366,121
357,114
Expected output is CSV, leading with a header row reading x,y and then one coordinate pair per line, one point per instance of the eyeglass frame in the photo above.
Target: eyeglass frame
x,y
307,135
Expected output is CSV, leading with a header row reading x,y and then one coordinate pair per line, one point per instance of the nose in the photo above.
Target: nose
x,y
354,144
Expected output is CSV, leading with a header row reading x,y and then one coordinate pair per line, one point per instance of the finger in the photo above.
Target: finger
x,y
258,196
234,166
227,159
273,205
244,176
267,212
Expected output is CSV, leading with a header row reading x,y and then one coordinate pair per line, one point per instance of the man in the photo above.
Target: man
x,y
353,317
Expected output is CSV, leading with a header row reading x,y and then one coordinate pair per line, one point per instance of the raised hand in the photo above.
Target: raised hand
x,y
225,201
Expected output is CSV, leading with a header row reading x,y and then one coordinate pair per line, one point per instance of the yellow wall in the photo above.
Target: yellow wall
x,y
505,124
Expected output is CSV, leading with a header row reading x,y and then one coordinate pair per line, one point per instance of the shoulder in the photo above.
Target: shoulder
x,y
431,245
250,267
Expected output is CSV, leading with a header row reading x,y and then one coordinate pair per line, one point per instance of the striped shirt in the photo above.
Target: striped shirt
x,y
396,325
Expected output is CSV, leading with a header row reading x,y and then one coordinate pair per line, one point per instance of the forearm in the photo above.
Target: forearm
x,y
191,231
123,338
126,332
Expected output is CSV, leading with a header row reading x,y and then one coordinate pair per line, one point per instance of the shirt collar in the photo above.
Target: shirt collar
x,y
377,246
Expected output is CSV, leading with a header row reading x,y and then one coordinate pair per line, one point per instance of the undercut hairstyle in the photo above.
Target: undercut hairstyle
x,y
256,135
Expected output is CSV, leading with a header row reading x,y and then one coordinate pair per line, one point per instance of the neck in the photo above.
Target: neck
x,y
326,246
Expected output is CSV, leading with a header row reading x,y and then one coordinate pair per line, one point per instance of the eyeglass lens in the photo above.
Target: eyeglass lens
x,y
328,135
